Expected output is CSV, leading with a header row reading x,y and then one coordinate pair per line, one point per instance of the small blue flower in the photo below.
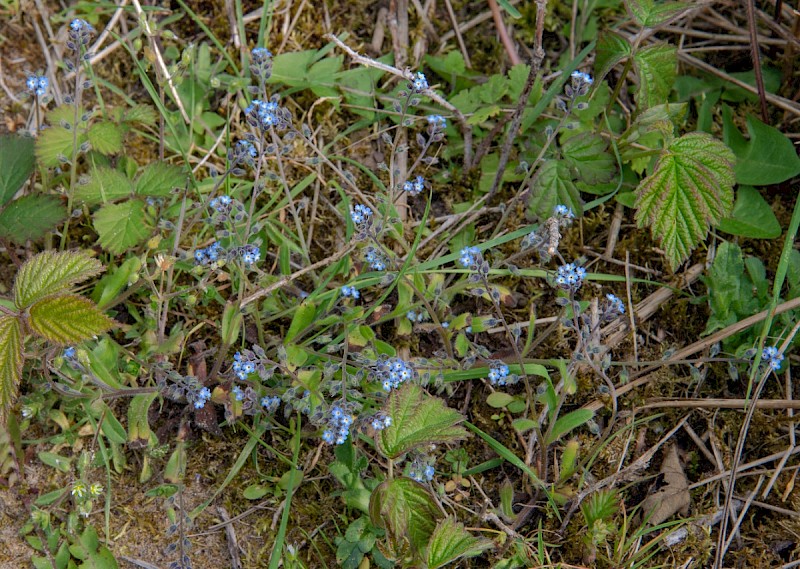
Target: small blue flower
x,y
270,404
350,291
375,259
569,277
70,353
773,357
420,82
202,398
469,256
327,436
411,315
260,54
616,304
80,32
437,121
429,472
498,372
580,77
250,254
237,393
37,84
360,214
415,187
563,211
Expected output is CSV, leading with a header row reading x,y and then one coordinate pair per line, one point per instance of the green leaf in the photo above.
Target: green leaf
x,y
10,362
568,422
752,216
689,189
509,7
553,185
68,318
656,67
524,425
105,185
405,509
105,137
731,291
56,143
138,423
255,492
768,158
16,164
418,419
303,318
141,114
51,272
498,399
587,154
612,49
30,217
121,226
651,14
56,461
231,323
450,541
158,179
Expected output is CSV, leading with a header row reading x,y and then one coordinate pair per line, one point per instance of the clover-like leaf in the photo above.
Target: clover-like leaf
x,y
30,217
121,226
105,185
10,361
553,185
406,510
52,272
690,189
656,67
418,419
450,541
68,318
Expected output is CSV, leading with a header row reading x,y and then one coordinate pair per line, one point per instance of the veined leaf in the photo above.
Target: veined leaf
x,y
10,361
418,419
769,157
121,226
651,14
158,179
587,154
690,189
105,137
16,164
405,509
30,217
551,186
51,272
656,69
450,541
105,185
141,114
68,318
612,49
57,141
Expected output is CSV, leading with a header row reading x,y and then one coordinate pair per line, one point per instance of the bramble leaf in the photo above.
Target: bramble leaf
x,y
656,67
56,142
105,137
158,179
690,189
405,509
16,164
51,272
451,541
105,185
121,226
587,155
141,114
418,419
68,318
10,361
612,49
651,14
30,217
553,185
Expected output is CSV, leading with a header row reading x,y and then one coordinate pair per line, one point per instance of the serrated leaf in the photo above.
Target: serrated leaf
x,y
568,422
158,179
105,137
612,49
752,216
30,217
450,541
651,14
690,189
68,318
10,362
141,114
51,272
769,157
121,226
405,509
418,419
16,164
656,67
105,185
587,155
56,140
553,185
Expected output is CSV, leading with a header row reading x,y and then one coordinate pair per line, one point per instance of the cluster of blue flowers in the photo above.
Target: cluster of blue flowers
x,y
375,258
350,291
579,77
416,316
498,373
210,254
564,212
243,152
243,366
250,254
360,214
421,471
437,122
469,257
270,403
772,356
261,63
266,115
37,84
201,397
222,204
415,187
615,304
392,372
419,83
381,421
80,34
238,394
570,277
339,423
